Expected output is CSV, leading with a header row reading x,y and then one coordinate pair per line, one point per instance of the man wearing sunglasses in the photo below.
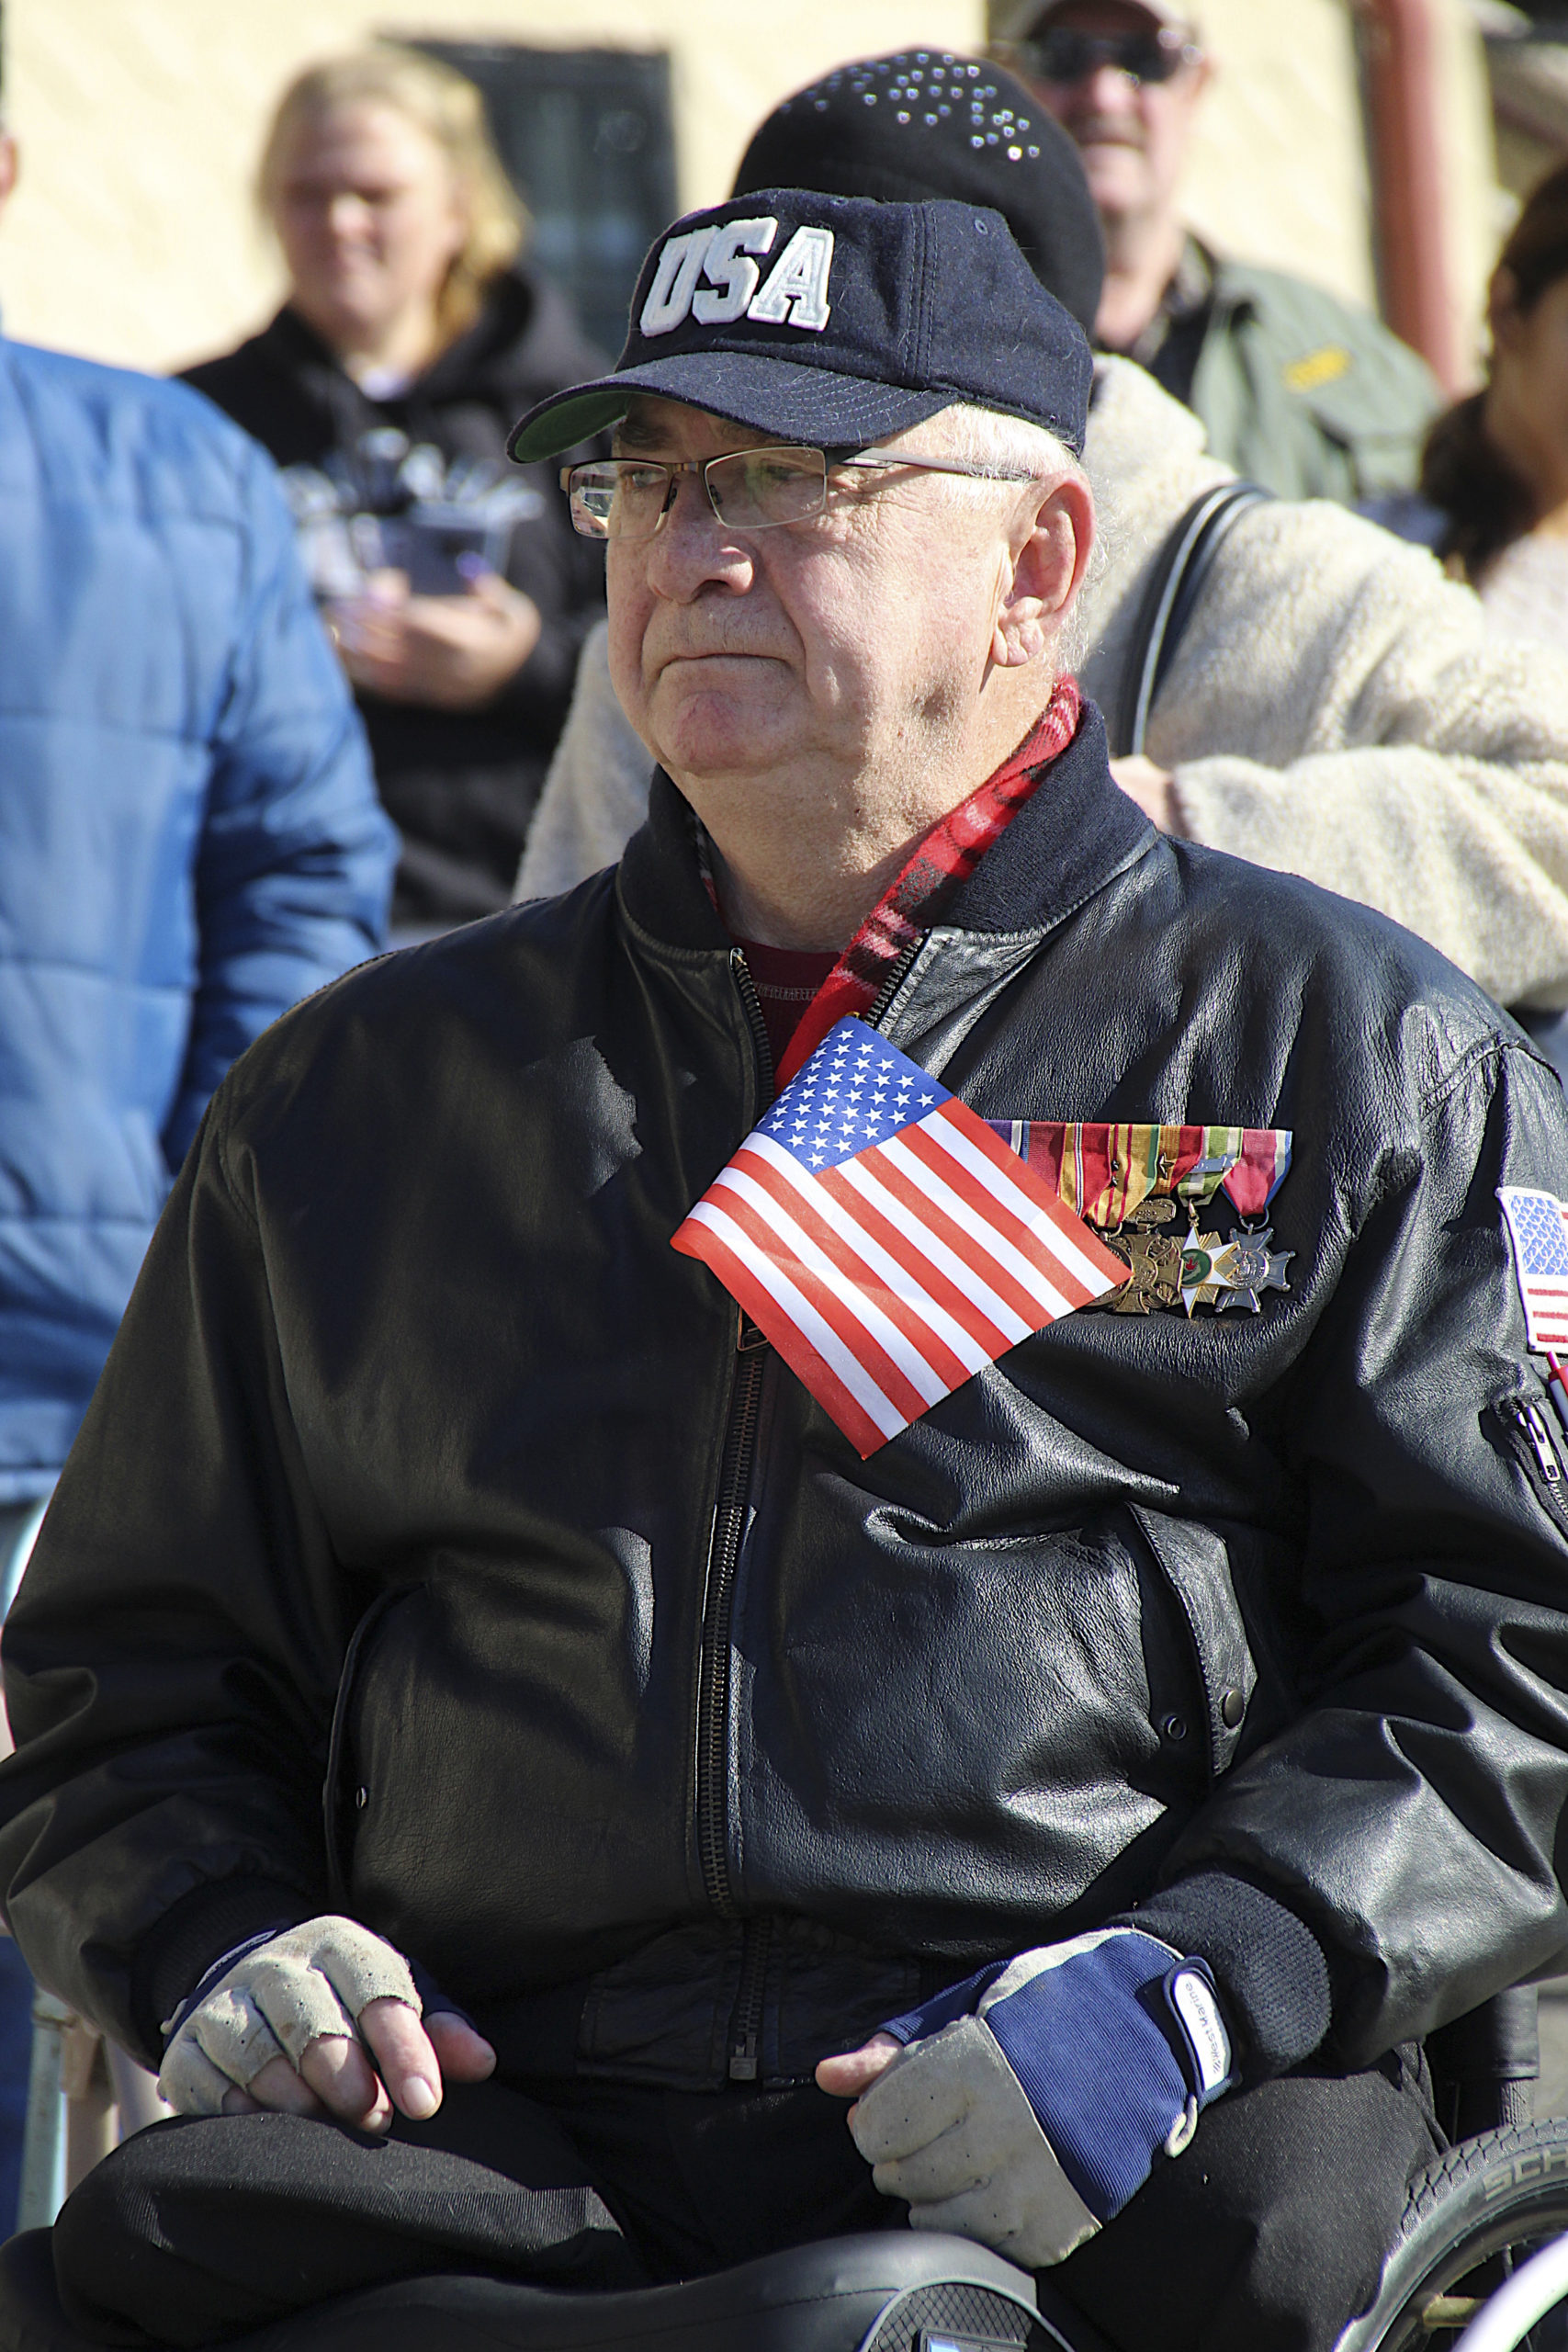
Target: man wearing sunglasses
x,y
1047,1815
1299,391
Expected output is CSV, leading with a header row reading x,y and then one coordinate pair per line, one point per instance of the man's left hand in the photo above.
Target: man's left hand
x,y
1030,2105
447,652
1153,788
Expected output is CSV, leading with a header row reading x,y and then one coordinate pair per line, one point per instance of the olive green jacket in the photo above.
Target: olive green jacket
x,y
1306,394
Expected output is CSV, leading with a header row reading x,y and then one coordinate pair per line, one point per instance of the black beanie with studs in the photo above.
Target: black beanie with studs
x,y
929,123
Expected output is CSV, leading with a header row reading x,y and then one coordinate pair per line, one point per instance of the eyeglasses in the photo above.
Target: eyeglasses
x,y
1062,55
749,489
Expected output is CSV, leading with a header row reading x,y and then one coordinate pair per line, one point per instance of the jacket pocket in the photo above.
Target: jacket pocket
x,y
339,1804
1195,1562
1524,1421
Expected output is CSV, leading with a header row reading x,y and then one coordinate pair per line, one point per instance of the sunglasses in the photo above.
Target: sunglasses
x,y
1061,54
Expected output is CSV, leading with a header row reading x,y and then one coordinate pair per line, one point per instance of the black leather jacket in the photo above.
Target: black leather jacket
x,y
676,1740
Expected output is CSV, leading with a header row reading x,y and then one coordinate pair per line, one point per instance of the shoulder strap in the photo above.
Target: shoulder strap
x,y
1175,586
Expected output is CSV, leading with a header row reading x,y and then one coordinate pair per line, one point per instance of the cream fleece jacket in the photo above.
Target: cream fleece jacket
x,y
1336,709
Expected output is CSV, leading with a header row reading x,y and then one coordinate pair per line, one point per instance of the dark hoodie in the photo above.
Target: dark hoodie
x,y
461,785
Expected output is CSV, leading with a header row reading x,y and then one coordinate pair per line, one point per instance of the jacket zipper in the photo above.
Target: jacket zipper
x,y
718,1603
714,1678
891,985
1534,1448
746,2018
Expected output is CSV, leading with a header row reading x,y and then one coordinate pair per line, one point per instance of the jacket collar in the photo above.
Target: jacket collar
x,y
1072,834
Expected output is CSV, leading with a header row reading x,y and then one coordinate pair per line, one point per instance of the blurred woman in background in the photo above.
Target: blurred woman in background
x,y
413,338
1494,496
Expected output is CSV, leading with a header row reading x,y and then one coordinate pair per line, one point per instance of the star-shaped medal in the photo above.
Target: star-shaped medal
x,y
1202,1278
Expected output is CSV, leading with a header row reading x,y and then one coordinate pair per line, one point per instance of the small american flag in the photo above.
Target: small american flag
x,y
885,1240
1537,1227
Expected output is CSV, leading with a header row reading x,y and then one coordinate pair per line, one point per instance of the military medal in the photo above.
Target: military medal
x,y
1251,1266
1126,1180
1154,1257
1200,1282
1231,1273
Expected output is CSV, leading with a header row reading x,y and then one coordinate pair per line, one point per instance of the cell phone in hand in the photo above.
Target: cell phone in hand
x,y
443,549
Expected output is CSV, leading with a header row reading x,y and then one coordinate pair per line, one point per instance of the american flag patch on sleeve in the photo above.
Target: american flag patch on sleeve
x,y
887,1240
1538,1228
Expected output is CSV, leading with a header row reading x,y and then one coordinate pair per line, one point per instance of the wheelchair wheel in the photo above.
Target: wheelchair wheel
x,y
1471,2218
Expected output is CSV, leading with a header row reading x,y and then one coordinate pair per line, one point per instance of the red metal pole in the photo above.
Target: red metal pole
x,y
1408,190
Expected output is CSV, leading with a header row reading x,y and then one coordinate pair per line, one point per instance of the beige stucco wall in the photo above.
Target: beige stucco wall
x,y
1277,170
131,237
1279,167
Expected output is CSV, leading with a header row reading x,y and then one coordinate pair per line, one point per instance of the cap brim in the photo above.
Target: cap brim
x,y
760,390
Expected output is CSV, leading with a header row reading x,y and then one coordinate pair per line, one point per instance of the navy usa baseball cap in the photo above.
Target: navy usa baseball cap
x,y
835,321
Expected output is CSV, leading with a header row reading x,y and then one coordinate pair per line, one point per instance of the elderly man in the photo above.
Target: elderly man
x,y
1091,1697
1296,389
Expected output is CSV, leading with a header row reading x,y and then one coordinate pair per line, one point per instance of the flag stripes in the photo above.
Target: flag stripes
x,y
1063,1235
886,1201
812,1350
853,1234
890,1276
859,1304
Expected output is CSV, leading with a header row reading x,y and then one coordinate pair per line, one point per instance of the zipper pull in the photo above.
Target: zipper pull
x,y
749,1336
743,2059
1533,1422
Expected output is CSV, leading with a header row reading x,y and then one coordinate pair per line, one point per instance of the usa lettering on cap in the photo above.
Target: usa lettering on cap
x,y
877,314
708,274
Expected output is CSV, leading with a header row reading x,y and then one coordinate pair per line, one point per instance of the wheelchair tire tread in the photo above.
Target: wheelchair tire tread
x,y
1460,2206
1451,2172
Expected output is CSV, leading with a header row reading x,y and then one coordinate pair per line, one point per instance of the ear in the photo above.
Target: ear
x,y
1043,571
10,165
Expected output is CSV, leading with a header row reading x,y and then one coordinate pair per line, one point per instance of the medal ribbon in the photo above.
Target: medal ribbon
x,y
1260,1168
1103,1169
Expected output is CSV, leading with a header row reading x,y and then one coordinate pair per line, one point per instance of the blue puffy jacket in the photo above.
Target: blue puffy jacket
x,y
189,838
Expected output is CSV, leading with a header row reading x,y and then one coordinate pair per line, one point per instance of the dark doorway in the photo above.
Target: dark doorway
x,y
587,136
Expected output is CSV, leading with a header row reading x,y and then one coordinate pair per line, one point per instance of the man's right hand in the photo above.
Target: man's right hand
x,y
322,2021
1032,2102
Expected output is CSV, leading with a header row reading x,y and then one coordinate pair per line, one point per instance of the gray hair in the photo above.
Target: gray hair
x,y
984,436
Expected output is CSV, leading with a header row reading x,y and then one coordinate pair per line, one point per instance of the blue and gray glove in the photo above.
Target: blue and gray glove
x,y
1031,2102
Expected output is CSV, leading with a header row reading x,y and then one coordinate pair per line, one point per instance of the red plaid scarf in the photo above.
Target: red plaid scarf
x,y
947,855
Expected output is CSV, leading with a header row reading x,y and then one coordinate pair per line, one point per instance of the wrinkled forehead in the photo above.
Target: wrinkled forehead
x,y
655,427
